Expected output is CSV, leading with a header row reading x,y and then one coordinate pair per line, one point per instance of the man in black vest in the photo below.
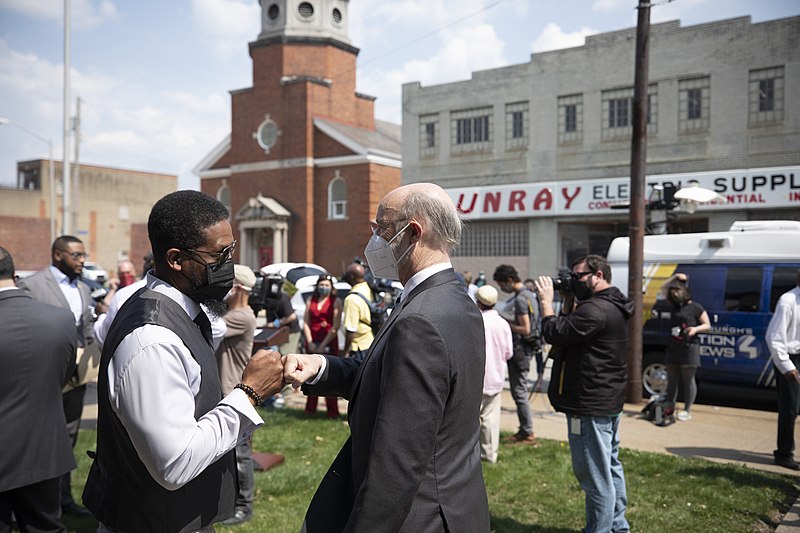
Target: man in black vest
x,y
165,434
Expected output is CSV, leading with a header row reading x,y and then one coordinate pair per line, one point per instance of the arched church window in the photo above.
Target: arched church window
x,y
224,196
337,198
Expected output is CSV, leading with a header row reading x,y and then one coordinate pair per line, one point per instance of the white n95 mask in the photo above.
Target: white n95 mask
x,y
380,257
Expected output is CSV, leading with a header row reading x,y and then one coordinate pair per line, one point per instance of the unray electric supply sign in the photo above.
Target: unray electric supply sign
x,y
742,189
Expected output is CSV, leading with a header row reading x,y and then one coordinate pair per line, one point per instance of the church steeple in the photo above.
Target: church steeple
x,y
310,20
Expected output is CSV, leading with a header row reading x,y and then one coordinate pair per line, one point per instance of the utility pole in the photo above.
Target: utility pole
x,y
76,171
636,222
65,170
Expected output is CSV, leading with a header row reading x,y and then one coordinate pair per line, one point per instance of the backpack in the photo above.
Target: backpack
x,y
377,311
660,411
534,338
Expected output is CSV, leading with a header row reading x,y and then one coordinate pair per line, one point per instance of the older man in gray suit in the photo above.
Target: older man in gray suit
x,y
60,285
37,361
412,463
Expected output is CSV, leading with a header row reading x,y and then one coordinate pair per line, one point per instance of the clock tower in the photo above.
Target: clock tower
x,y
306,162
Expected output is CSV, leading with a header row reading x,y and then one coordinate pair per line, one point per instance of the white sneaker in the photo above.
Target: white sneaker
x,y
683,416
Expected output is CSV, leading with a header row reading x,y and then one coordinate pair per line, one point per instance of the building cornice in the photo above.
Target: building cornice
x,y
297,39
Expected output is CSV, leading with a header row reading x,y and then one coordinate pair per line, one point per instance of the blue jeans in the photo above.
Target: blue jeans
x,y
594,445
518,367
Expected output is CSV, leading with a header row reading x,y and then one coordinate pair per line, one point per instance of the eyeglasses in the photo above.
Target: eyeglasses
x,y
579,275
76,256
222,257
380,227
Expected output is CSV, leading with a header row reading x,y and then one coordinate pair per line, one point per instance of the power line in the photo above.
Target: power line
x,y
431,33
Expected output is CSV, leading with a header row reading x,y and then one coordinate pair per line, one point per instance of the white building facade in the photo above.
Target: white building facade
x,y
537,155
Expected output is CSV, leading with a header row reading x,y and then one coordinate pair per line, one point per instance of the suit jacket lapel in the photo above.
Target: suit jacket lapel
x,y
57,292
440,277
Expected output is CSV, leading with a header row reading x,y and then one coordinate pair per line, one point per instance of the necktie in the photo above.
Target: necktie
x,y
205,326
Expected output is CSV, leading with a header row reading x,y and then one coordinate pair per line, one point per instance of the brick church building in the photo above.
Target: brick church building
x,y
306,162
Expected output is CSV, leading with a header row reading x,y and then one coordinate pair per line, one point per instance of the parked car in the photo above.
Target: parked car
x,y
94,272
737,276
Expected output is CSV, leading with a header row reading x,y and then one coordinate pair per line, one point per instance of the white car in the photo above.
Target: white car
x,y
94,272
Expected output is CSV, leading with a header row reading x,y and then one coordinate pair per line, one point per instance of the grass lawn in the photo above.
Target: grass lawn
x,y
530,489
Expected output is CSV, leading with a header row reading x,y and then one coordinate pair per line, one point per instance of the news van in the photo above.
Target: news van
x,y
737,276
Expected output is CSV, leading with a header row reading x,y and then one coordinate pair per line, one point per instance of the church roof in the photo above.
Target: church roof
x,y
384,139
381,145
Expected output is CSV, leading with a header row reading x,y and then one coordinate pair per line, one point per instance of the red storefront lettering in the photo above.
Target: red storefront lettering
x,y
491,202
544,200
515,201
567,197
471,205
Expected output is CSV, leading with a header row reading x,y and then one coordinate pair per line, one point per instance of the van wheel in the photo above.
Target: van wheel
x,y
654,374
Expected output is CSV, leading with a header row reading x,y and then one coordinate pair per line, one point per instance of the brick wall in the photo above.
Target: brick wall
x,y
139,246
27,240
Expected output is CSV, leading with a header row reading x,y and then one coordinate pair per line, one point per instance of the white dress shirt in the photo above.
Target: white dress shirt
x,y
421,276
71,293
783,332
153,380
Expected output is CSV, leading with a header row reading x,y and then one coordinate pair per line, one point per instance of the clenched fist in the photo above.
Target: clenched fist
x,y
299,368
264,373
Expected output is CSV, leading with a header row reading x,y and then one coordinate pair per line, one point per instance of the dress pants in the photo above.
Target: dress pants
x,y
36,507
788,407
72,401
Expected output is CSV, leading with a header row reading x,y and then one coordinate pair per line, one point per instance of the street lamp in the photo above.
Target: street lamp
x,y
51,170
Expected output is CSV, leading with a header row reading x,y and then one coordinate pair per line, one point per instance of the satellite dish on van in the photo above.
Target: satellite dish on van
x,y
693,195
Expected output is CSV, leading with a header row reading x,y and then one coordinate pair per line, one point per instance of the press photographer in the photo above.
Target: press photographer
x,y
267,294
588,383
521,311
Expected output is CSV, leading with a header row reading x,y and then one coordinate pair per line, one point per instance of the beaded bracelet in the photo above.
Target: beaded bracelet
x,y
251,393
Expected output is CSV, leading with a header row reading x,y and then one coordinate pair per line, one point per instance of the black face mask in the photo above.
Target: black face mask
x,y
220,281
581,290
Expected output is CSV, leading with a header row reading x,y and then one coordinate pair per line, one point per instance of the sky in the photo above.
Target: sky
x,y
154,76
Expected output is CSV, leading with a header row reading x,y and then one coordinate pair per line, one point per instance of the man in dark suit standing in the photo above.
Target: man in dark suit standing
x,y
412,462
60,285
37,355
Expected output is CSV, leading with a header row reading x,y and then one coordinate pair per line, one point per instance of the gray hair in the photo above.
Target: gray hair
x,y
439,212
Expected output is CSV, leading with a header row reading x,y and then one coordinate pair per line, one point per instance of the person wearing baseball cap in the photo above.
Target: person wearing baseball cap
x,y
499,349
232,356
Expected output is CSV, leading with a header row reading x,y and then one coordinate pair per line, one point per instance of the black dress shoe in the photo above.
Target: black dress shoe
x,y
789,463
73,509
239,517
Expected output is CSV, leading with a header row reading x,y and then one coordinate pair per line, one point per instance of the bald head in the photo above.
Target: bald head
x,y
355,273
431,205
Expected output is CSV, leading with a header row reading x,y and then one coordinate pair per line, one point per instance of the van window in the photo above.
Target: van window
x,y
784,279
743,289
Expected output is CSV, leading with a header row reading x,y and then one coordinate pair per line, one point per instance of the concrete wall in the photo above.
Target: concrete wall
x,y
725,51
109,203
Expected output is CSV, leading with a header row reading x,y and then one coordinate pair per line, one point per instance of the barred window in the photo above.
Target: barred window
x,y
618,112
694,104
570,118
766,95
494,238
517,125
428,135
471,130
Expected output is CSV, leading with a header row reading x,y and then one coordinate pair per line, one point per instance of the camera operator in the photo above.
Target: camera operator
x,y
588,383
